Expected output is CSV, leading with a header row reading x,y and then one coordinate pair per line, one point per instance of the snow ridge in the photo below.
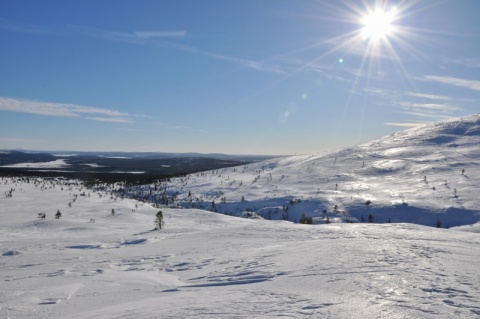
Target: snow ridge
x,y
427,175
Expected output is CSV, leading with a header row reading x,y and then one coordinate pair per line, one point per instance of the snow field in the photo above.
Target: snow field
x,y
208,265
426,175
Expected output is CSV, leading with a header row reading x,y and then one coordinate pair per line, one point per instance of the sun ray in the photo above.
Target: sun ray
x,y
373,44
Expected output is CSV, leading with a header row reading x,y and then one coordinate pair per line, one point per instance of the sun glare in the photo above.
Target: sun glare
x,y
378,24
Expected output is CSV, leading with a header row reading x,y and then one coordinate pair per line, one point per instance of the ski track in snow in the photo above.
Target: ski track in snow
x,y
207,265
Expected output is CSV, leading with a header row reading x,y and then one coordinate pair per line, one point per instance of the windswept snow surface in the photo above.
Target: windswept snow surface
x,y
428,175
90,264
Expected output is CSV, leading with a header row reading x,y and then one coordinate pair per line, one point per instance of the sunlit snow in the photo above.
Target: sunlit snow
x,y
91,263
59,163
425,175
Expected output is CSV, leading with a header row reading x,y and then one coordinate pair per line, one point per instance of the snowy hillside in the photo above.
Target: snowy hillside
x,y
90,264
428,175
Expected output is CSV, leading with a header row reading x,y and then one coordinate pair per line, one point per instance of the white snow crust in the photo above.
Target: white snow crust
x,y
208,265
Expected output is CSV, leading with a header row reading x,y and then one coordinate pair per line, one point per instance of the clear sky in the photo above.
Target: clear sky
x,y
231,76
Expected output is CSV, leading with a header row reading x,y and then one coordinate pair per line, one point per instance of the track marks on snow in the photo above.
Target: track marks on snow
x,y
245,271
119,244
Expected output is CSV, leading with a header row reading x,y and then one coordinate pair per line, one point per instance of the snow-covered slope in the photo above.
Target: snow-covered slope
x,y
428,175
208,265
91,264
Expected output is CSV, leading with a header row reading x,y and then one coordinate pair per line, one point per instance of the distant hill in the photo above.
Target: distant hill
x,y
8,157
115,166
428,175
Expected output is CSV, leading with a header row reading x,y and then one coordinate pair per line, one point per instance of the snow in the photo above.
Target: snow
x,y
95,165
127,172
59,163
423,175
92,264
116,157
208,265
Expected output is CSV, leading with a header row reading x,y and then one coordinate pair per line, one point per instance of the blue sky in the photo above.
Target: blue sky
x,y
238,77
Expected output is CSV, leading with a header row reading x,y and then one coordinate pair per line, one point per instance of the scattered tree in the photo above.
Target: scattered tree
x,y
159,223
58,214
306,220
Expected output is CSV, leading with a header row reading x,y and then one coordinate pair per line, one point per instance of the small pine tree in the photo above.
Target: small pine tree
x,y
306,220
159,223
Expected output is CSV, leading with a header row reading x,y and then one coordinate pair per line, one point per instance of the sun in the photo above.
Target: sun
x,y
378,24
